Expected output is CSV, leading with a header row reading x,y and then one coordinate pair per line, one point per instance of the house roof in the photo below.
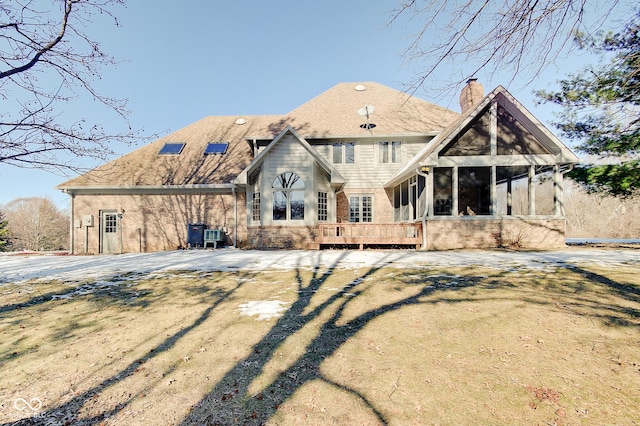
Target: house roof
x,y
332,114
144,167
428,154
335,114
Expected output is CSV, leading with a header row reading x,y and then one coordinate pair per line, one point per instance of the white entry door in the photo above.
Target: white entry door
x,y
109,231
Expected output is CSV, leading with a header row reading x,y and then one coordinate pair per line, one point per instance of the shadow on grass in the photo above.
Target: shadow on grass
x,y
230,401
117,290
67,412
111,290
579,290
611,313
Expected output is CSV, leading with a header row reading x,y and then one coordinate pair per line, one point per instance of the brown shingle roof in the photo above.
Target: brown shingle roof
x,y
144,167
333,113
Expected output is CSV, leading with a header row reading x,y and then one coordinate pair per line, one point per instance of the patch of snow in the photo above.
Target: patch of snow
x,y
265,309
70,269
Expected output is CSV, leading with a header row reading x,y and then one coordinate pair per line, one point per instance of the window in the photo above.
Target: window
x,y
361,208
442,191
512,190
255,207
322,206
389,151
110,223
288,197
216,148
474,191
171,149
475,139
344,152
405,200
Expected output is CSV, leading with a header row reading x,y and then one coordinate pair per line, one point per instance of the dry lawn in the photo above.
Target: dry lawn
x,y
550,346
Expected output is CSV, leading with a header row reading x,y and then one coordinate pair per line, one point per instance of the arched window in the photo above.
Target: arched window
x,y
288,197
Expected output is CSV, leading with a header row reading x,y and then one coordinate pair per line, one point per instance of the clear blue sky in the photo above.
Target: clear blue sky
x,y
183,60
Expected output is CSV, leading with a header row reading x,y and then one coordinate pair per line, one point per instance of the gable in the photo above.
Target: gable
x,y
474,139
287,150
517,133
514,138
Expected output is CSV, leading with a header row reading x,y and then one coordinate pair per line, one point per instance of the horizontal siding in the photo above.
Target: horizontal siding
x,y
288,156
367,172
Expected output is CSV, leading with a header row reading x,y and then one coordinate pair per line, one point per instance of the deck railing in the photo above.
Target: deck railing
x,y
369,233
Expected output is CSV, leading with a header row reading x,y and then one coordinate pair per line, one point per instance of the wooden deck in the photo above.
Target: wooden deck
x,y
368,234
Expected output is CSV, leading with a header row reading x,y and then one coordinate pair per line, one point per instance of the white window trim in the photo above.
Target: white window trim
x,y
343,154
360,206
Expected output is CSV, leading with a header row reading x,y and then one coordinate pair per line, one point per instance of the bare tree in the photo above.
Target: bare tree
x,y
35,223
597,215
520,36
4,233
48,59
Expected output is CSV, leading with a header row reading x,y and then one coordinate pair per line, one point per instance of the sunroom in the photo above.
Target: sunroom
x,y
493,178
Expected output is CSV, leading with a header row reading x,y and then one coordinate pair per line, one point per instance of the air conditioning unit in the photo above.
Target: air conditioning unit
x,y
213,236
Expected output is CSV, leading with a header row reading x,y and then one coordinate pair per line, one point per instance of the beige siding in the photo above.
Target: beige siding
x,y
288,156
368,172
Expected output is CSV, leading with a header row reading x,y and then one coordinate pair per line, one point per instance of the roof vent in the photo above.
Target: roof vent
x,y
360,88
241,121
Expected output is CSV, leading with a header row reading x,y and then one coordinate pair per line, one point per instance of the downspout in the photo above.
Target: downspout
x,y
235,215
426,211
71,223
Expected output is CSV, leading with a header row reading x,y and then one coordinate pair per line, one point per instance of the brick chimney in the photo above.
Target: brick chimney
x,y
471,94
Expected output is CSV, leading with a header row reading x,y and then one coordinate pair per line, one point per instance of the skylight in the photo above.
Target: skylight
x,y
171,149
216,148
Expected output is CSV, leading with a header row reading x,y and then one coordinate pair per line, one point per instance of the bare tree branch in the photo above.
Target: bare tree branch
x,y
47,60
522,37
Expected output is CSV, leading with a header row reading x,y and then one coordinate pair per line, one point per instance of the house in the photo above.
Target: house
x,y
360,165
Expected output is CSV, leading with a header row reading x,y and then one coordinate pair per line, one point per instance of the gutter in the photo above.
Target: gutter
x,y
148,189
71,224
235,216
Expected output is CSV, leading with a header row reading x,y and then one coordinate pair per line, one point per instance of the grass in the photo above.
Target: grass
x,y
540,346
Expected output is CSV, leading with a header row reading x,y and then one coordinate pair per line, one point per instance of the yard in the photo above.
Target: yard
x,y
375,337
